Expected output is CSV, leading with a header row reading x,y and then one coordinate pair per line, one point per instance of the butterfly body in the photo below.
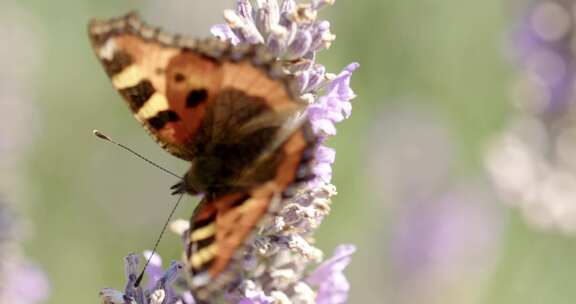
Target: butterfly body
x,y
229,110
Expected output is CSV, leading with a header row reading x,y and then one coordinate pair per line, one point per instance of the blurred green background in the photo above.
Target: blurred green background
x,y
432,88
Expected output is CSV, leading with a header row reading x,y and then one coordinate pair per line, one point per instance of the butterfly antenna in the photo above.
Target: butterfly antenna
x,y
141,276
105,137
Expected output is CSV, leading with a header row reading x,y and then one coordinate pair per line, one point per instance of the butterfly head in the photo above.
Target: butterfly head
x,y
202,177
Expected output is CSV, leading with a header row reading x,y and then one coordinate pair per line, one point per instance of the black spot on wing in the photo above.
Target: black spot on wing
x,y
162,118
196,97
138,95
119,62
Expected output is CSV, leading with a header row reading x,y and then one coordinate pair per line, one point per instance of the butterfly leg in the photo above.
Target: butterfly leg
x,y
178,188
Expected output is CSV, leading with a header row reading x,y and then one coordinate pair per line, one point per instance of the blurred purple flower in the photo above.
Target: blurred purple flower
x,y
443,244
21,282
542,46
22,31
25,284
440,232
531,161
444,228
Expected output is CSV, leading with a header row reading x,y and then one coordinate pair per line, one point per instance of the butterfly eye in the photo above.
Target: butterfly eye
x,y
179,77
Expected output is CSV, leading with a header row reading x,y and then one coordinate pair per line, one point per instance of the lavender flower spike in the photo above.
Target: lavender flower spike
x,y
276,263
290,30
158,290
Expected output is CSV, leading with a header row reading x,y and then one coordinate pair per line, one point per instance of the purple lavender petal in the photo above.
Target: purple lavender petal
x,y
319,4
244,29
303,79
332,284
325,155
323,171
154,269
287,21
249,295
335,105
277,40
274,10
160,279
346,108
261,299
322,116
131,269
324,127
187,298
244,9
267,15
324,159
300,46
288,7
165,281
321,37
224,32
318,109
340,86
317,74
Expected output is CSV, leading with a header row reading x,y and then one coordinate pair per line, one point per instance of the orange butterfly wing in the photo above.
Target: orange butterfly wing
x,y
168,81
222,226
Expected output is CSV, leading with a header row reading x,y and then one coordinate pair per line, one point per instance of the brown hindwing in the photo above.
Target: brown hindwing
x,y
221,227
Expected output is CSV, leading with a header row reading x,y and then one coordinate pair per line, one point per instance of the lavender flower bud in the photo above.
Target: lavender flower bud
x,y
244,9
288,6
299,47
277,39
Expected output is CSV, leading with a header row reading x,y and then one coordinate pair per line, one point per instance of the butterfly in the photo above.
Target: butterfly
x,y
230,110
